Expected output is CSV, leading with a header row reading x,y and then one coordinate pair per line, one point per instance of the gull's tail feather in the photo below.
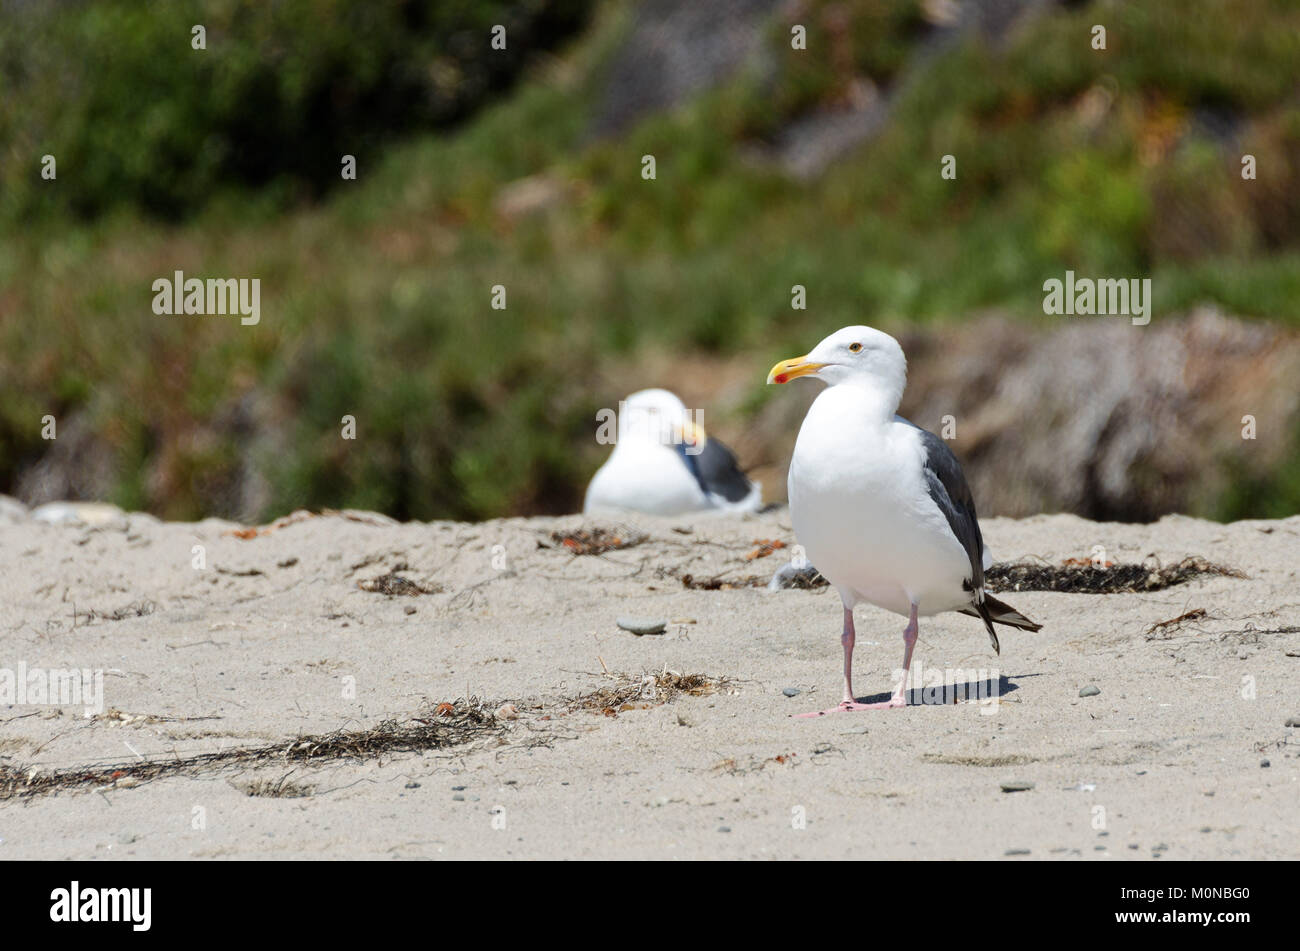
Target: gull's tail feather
x,y
992,611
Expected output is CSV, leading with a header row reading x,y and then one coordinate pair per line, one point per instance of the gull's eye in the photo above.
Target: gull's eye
x,y
855,347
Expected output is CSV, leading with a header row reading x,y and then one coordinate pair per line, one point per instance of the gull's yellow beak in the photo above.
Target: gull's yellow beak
x,y
691,434
787,370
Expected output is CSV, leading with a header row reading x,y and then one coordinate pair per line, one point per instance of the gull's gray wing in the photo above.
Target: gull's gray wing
x,y
717,472
947,487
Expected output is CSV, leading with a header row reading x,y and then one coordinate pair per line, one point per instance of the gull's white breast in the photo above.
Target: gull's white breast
x,y
861,510
645,477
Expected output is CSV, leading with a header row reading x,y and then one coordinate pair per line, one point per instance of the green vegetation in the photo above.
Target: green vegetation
x,y
375,298
135,114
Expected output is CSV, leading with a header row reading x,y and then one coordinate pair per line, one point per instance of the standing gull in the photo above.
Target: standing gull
x,y
879,504
664,463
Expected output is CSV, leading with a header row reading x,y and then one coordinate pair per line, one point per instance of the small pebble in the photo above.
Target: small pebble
x,y
459,797
459,788
410,609
1017,785
792,691
641,626
1090,691
724,828
1293,721
1016,852
1134,845
412,785
1264,764
508,711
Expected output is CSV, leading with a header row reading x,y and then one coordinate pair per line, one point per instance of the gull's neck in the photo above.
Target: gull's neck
x,y
875,398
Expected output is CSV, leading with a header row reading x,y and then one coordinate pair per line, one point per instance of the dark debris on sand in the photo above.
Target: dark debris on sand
x,y
464,722
598,540
1097,579
652,690
394,584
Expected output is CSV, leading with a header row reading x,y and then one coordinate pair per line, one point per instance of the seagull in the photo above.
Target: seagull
x,y
879,504
663,463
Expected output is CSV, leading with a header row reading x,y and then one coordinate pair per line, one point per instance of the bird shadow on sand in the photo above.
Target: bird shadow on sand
x,y
950,693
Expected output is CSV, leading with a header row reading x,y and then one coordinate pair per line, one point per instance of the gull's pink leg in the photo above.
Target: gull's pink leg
x,y
847,639
899,697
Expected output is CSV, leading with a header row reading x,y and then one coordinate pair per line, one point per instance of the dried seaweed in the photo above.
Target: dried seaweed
x,y
1162,629
651,690
396,585
597,541
134,609
467,721
1097,579
282,788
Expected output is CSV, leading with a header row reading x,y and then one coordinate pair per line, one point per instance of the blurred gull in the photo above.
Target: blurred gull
x,y
663,463
880,505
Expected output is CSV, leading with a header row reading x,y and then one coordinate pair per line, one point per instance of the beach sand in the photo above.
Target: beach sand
x,y
273,638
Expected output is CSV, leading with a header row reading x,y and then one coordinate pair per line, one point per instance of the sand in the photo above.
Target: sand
x,y
257,645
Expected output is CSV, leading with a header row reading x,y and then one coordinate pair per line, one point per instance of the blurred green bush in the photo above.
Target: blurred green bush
x,y
135,115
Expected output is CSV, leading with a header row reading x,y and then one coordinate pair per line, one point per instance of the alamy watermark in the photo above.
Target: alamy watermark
x,y
38,686
943,685
1105,297
214,296
688,433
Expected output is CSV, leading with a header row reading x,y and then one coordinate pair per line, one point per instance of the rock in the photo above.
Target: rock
x,y
1090,691
792,691
1016,852
1293,721
642,626
12,512
789,576
93,514
675,50
508,711
1017,785
1264,764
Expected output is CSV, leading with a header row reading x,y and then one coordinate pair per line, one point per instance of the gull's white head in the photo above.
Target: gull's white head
x,y
657,416
857,356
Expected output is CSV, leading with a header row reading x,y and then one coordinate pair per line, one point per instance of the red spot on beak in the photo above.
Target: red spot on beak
x,y
781,378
